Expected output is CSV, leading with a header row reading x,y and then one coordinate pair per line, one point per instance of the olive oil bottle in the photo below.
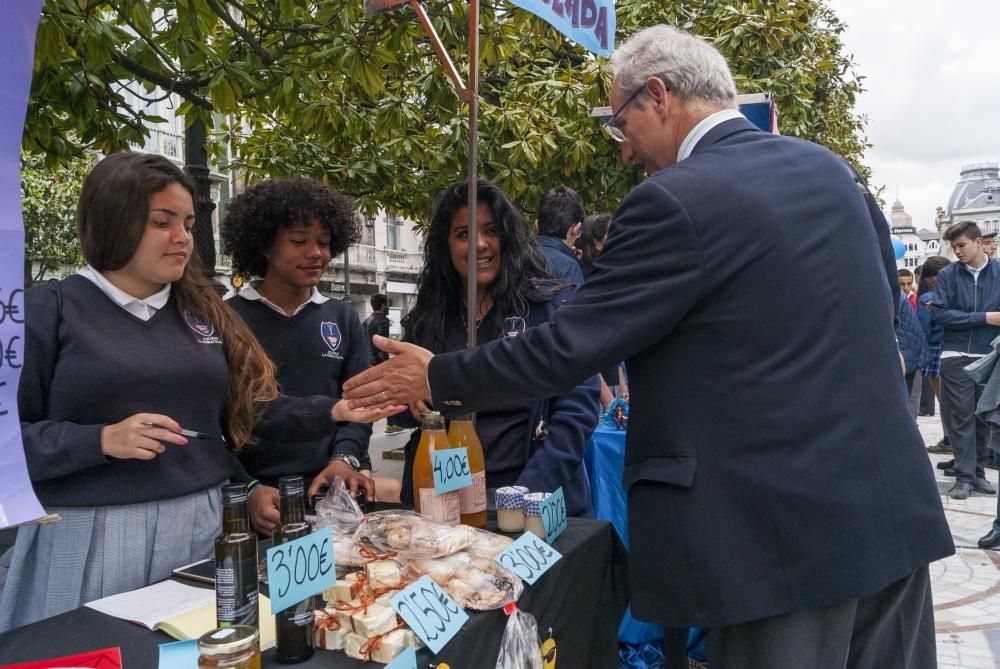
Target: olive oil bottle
x,y
235,562
294,625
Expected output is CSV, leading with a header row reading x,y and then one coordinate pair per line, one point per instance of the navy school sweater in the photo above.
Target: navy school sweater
x,y
316,351
89,363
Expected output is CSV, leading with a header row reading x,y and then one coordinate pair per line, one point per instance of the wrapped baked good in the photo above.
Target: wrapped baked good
x,y
488,544
383,572
328,633
412,535
347,553
473,582
353,645
365,617
386,647
351,586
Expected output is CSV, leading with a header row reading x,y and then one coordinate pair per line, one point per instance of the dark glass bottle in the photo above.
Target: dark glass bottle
x,y
235,562
294,625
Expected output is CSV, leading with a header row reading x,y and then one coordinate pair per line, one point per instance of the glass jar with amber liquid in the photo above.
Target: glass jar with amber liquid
x,y
235,647
472,499
293,626
444,508
235,562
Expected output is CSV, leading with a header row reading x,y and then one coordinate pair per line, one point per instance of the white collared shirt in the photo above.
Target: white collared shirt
x,y
700,130
142,309
251,293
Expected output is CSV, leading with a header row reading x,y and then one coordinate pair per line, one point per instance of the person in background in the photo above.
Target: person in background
x,y
931,372
286,232
590,243
119,359
912,341
990,244
966,304
538,444
560,216
377,324
906,285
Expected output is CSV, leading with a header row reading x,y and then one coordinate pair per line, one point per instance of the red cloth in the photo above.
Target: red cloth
x,y
109,658
913,301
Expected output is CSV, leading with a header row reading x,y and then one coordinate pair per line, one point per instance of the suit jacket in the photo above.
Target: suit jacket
x,y
772,464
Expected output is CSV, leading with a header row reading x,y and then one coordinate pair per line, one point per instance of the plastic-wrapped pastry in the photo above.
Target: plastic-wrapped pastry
x,y
473,582
412,535
488,544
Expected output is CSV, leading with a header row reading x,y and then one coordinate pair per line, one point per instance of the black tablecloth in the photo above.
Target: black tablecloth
x,y
581,598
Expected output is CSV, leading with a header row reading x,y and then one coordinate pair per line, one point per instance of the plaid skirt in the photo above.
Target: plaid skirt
x,y
933,366
96,552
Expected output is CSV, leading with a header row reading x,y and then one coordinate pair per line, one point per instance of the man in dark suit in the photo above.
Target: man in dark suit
x,y
779,493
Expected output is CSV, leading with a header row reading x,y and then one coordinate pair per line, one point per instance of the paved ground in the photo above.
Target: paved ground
x,y
966,585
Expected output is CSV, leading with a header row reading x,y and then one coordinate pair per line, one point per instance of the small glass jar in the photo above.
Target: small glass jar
x,y
235,647
533,513
509,502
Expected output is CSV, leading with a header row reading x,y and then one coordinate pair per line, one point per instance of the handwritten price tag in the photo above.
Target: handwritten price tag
x,y
451,470
300,569
430,612
529,557
554,515
405,660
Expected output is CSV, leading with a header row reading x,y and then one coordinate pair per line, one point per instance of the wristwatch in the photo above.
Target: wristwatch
x,y
349,459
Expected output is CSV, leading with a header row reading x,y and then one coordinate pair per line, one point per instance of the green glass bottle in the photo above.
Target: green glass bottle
x,y
235,562
294,625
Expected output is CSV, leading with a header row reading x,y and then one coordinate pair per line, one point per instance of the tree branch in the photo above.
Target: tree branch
x,y
266,57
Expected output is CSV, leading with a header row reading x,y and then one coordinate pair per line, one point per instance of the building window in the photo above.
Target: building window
x,y
393,229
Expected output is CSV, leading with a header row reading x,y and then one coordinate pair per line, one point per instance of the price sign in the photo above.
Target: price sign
x,y
300,569
451,469
430,612
554,515
405,660
529,557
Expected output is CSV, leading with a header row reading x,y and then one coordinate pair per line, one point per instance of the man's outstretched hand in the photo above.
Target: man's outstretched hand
x,y
400,380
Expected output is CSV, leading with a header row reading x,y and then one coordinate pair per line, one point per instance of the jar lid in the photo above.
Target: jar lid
x,y
533,503
227,640
510,497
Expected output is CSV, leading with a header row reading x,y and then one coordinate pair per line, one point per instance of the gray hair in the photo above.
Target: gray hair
x,y
688,65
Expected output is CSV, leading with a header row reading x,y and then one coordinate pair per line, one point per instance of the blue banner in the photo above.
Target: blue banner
x,y
18,503
589,23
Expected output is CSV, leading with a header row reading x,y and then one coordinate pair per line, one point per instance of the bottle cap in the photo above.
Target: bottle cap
x,y
533,503
290,486
227,640
510,497
233,494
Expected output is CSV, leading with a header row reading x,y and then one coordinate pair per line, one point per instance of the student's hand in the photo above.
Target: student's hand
x,y
342,412
262,505
352,479
400,380
135,439
993,317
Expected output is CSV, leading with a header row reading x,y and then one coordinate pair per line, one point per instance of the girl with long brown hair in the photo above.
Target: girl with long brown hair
x,y
138,385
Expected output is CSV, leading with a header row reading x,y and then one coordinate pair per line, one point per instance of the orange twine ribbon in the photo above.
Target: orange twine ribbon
x,y
367,552
385,587
373,644
359,585
365,600
326,623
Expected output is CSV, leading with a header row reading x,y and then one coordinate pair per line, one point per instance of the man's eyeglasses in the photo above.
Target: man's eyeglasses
x,y
610,127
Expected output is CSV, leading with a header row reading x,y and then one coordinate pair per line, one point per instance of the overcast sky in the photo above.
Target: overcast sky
x,y
932,93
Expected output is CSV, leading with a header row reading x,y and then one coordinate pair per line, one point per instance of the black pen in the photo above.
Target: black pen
x,y
185,433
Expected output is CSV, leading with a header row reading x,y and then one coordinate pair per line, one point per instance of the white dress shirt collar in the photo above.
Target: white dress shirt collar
x,y
700,130
251,293
143,309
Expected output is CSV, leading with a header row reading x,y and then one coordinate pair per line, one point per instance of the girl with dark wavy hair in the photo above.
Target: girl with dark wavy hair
x,y
117,359
514,292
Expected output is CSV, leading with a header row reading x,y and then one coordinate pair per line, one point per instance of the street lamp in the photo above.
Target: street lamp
x,y
470,94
